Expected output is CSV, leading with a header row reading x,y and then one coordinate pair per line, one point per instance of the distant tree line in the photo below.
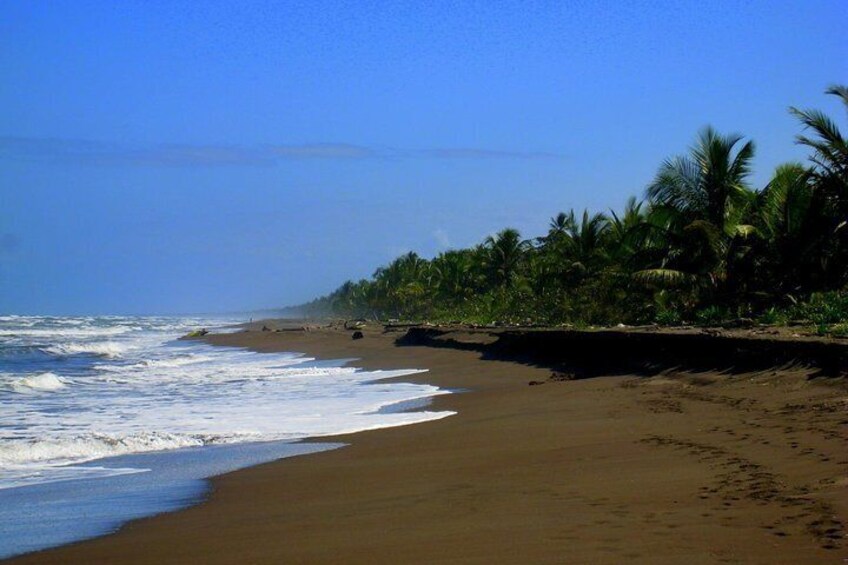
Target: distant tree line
x,y
703,245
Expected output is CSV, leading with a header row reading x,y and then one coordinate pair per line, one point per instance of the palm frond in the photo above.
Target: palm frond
x,y
665,278
745,230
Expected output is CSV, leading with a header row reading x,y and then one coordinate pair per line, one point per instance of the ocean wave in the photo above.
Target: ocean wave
x,y
25,475
179,361
88,447
142,391
217,369
48,382
99,348
67,333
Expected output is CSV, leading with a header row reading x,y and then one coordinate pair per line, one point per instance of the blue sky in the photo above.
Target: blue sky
x,y
174,157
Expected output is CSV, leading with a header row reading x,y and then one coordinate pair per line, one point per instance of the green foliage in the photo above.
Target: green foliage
x,y
773,317
823,309
668,318
703,246
838,330
712,315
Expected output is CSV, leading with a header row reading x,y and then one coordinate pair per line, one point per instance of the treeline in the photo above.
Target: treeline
x,y
703,245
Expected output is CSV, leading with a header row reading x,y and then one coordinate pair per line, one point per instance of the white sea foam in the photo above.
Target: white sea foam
x,y
127,387
36,383
25,475
59,333
147,364
179,361
92,446
98,348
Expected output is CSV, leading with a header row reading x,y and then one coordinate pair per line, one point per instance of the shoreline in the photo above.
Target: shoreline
x,y
45,516
142,484
575,471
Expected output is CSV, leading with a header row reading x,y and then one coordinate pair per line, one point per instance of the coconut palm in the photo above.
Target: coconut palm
x,y
830,148
558,227
784,204
402,284
505,253
674,251
622,226
456,275
701,200
585,240
830,179
787,234
344,299
708,184
627,232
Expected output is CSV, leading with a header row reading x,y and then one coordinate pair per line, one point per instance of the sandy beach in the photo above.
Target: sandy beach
x,y
674,467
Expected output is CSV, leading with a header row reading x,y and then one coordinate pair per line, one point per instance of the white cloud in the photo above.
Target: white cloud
x,y
442,238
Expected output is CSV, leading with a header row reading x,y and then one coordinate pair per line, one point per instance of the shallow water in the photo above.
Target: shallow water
x,y
55,513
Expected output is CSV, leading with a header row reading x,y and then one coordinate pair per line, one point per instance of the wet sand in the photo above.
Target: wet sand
x,y
676,467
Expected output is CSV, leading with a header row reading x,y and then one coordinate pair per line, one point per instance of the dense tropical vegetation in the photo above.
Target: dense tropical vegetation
x,y
703,246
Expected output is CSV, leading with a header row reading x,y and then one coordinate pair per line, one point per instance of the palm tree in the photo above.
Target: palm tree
x,y
505,253
627,232
700,201
558,227
456,275
631,218
830,179
561,224
830,149
708,184
673,251
585,239
343,300
787,234
402,284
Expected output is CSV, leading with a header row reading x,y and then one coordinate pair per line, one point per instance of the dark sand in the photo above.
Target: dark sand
x,y
673,468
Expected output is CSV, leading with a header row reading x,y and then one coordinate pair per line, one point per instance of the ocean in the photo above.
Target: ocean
x,y
107,419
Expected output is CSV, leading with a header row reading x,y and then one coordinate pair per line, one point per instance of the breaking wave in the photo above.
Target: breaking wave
x,y
37,383
98,348
92,446
77,390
